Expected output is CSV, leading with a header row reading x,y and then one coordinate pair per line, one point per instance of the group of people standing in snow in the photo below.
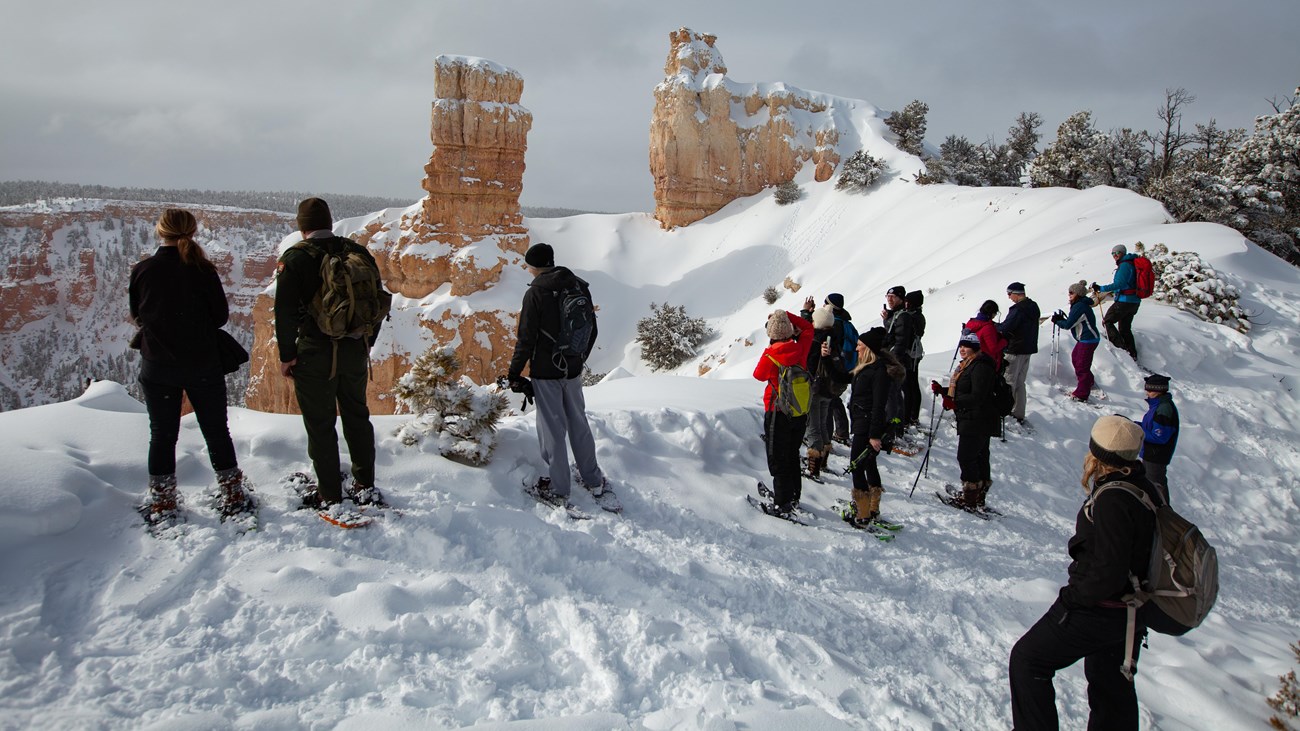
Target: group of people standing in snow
x,y
1113,537
177,301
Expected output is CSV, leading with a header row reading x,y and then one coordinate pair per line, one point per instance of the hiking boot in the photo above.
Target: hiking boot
x,y
814,462
163,504
366,495
861,505
873,500
969,498
235,496
983,493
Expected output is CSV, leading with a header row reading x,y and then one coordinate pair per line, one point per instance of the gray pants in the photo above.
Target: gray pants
x,y
1017,370
561,410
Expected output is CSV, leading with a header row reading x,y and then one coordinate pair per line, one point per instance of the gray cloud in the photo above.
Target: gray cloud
x,y
335,96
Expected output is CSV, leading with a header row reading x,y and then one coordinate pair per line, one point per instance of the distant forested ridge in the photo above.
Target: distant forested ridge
x,y
18,192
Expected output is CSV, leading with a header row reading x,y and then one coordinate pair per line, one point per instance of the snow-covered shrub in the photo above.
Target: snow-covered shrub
x,y
1184,280
859,171
787,193
771,295
1287,700
459,414
669,337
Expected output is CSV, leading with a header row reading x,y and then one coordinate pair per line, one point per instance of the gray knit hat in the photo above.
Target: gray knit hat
x,y
1115,441
779,326
1079,288
1118,250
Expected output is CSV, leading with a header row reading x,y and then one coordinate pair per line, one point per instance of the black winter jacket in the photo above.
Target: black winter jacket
x,y
900,332
973,399
1115,542
296,284
179,309
1020,328
871,386
540,312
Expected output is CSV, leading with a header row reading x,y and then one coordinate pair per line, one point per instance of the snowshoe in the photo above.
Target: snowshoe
x,y
540,490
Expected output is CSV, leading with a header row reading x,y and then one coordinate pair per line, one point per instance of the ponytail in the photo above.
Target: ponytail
x,y
179,225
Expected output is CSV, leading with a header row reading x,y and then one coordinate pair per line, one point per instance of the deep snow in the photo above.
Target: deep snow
x,y
471,604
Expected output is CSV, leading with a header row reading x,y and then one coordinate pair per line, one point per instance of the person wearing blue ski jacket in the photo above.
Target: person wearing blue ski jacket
x,y
1082,324
1159,432
1119,318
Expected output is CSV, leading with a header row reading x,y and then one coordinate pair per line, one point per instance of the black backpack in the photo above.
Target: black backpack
x,y
577,323
1003,398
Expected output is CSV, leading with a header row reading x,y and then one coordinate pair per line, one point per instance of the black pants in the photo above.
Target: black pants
x,y
839,418
1059,640
973,457
912,391
784,437
865,472
321,398
206,389
1119,326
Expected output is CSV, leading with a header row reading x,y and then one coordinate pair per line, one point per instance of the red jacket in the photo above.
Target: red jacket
x,y
991,341
787,353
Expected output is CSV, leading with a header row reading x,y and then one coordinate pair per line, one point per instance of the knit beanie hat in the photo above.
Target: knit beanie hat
x,y
1157,383
898,291
541,256
969,340
1016,288
1079,288
1118,250
873,339
989,309
1115,441
823,317
836,299
779,326
314,215
914,299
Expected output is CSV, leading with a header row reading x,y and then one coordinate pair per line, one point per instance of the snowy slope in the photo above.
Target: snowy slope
x,y
692,610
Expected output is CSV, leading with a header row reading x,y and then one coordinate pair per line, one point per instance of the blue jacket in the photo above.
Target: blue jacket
x,y
1126,278
1160,429
1081,322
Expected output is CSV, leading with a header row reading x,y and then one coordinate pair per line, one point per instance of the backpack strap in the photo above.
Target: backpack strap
x,y
1138,597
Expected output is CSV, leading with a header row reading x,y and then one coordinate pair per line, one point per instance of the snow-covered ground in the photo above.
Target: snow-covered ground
x,y
472,604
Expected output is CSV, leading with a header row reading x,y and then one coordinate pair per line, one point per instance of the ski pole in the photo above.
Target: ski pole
x,y
925,461
853,463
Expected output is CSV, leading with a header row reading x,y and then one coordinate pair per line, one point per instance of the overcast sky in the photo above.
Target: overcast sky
x,y
332,96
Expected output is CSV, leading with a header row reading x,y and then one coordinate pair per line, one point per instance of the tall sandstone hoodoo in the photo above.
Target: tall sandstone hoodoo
x,y
462,234
713,140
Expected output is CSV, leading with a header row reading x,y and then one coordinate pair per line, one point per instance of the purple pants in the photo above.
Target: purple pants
x,y
1081,357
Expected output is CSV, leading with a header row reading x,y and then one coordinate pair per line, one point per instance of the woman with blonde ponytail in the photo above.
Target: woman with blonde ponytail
x,y
178,302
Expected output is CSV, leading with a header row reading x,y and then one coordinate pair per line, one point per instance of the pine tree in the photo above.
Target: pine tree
x,y
1068,161
669,337
1120,159
859,171
1264,174
786,193
909,124
460,415
1287,699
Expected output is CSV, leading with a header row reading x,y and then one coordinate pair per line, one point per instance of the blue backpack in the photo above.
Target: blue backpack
x,y
849,345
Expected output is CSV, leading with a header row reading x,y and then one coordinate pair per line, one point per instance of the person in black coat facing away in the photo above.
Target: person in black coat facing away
x,y
177,300
1112,542
912,303
1021,331
556,380
875,375
825,388
970,397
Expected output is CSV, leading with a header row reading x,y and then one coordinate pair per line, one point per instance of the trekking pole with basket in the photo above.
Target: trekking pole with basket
x,y
925,461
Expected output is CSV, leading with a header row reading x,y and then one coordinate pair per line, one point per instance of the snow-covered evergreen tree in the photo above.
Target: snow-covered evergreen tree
x,y
1120,159
786,193
669,337
859,171
1264,174
909,124
1068,162
460,415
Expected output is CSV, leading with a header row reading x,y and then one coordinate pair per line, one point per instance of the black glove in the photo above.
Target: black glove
x,y
1096,287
